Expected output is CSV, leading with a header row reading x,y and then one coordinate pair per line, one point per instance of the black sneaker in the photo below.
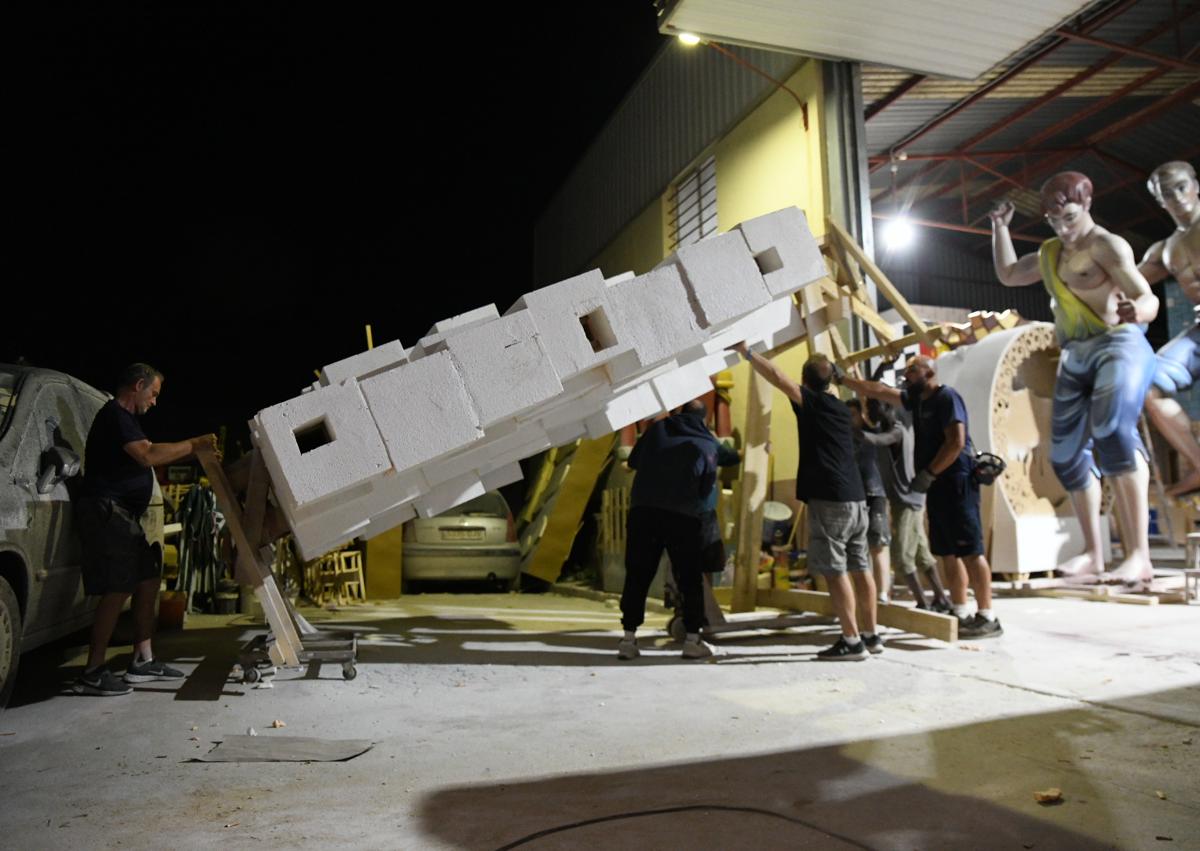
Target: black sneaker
x,y
874,643
843,651
100,682
144,672
980,627
941,607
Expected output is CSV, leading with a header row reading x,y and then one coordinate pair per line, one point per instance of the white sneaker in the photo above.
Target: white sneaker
x,y
627,649
698,650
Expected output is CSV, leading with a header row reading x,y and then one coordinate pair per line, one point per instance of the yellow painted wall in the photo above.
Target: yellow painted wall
x,y
640,245
766,162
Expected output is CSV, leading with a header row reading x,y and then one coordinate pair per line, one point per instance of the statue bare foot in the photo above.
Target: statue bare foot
x,y
1083,568
1135,570
1186,485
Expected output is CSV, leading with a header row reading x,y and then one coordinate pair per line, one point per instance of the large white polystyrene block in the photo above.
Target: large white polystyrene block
x,y
389,519
776,324
784,249
721,277
631,406
505,475
564,433
590,388
449,494
657,318
504,366
422,410
491,452
365,363
576,323
339,519
435,338
344,447
465,320
682,385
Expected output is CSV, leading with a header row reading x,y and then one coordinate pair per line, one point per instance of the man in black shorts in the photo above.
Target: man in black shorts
x,y
943,461
117,559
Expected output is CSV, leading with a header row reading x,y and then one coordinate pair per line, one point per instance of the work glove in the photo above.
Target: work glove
x,y
922,481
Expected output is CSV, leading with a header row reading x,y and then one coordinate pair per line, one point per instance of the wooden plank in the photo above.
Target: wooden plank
x,y
247,569
256,499
1094,596
847,244
888,349
931,624
755,434
250,571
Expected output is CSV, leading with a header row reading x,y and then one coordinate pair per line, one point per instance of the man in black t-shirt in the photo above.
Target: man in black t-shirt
x,y
829,482
943,462
117,559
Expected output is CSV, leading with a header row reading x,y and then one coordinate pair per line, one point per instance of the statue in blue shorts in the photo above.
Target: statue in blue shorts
x,y
1175,188
1106,365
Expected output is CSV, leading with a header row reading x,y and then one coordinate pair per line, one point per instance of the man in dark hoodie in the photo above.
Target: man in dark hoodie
x,y
676,464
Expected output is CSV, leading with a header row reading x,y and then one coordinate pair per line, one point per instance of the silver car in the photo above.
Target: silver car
x,y
44,420
476,540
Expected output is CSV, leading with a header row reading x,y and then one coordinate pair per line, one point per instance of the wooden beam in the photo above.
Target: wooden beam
x,y
256,499
755,466
881,281
286,648
931,624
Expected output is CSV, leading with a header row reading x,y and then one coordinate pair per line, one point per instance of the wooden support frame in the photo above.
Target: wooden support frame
x,y
929,624
247,526
821,305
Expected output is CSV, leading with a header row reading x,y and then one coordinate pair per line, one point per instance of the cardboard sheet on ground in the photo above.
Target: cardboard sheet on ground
x,y
285,749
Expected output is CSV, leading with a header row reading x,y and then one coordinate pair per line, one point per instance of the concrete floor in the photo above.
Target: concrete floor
x,y
506,721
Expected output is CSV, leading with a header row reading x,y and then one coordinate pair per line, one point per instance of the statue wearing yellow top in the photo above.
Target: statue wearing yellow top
x,y
1099,300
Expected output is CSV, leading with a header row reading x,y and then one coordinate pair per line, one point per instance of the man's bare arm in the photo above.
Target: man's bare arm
x,y
770,371
1114,255
954,442
872,389
156,454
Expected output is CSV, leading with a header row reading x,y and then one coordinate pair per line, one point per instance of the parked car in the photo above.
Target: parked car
x,y
44,420
474,541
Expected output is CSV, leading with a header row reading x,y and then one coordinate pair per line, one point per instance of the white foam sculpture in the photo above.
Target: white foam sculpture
x,y
391,433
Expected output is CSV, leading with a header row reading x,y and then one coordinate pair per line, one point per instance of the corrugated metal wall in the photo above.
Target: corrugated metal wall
x,y
685,100
948,269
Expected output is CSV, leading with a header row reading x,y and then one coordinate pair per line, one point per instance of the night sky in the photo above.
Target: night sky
x,y
232,195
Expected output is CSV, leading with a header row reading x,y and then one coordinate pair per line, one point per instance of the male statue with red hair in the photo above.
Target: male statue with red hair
x,y
1099,299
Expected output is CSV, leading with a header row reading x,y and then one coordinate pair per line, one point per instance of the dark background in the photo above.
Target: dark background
x,y
233,195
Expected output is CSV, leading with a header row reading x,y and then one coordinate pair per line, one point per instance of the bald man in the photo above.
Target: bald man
x,y
944,464
1176,190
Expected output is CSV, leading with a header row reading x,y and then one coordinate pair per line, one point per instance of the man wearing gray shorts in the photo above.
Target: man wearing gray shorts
x,y
828,480
893,435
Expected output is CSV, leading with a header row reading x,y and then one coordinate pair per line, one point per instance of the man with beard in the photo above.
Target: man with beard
x,y
943,461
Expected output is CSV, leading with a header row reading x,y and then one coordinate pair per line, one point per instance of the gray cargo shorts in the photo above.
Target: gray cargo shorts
x,y
837,537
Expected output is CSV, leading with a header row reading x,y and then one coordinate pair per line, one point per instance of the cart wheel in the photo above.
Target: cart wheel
x,y
349,672
250,674
676,629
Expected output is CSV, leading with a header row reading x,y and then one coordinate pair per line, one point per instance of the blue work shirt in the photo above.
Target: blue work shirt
x,y
931,418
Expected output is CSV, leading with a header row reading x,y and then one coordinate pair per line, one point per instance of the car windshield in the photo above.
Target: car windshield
x,y
489,505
